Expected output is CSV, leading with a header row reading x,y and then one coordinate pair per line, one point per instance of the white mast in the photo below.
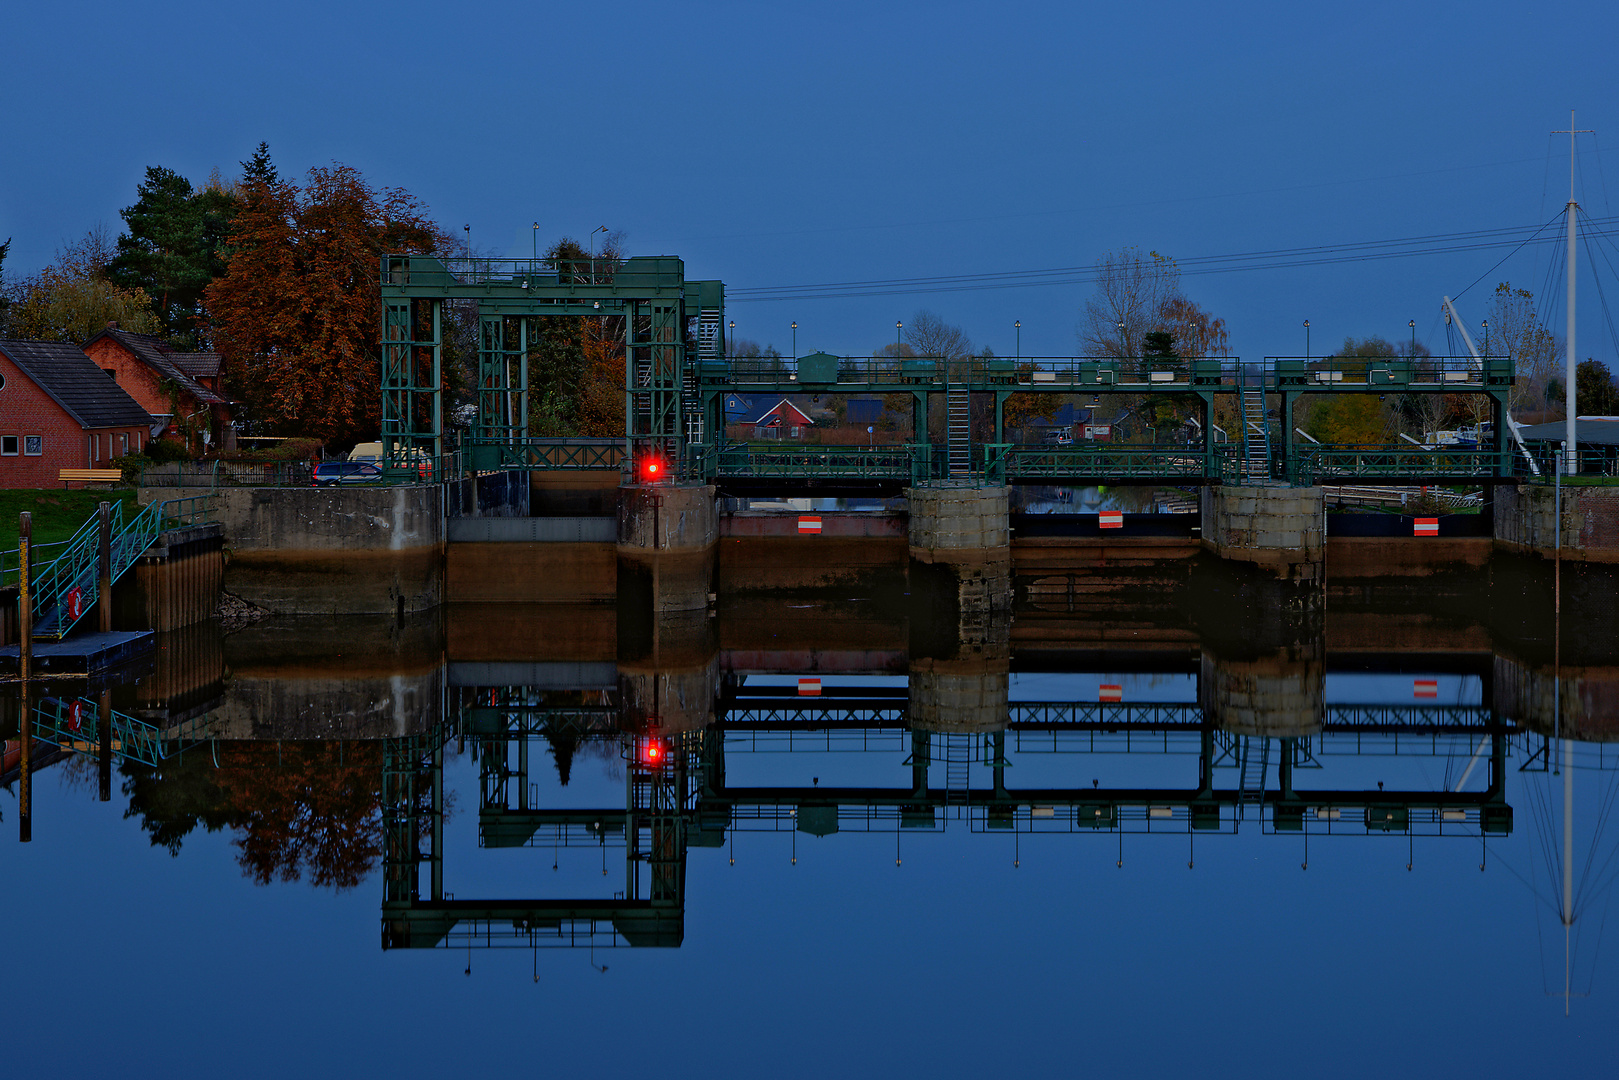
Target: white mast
x,y
1571,447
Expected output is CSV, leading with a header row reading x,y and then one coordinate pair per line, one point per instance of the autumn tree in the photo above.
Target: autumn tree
x,y
73,298
295,312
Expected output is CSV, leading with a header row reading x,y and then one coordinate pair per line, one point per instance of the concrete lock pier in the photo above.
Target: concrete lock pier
x,y
964,529
667,536
1275,696
1279,529
1526,521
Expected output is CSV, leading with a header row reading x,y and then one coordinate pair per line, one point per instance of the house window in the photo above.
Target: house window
x,y
93,443
33,445
8,445
111,373
123,444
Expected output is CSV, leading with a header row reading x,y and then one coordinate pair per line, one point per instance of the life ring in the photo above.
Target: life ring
x,y
75,603
75,715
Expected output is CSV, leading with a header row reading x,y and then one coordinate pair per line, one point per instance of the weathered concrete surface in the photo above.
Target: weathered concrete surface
x,y
331,551
531,632
530,573
1279,528
1526,521
1276,696
1354,557
176,582
829,524
574,492
348,678
787,563
962,695
666,546
958,524
1574,702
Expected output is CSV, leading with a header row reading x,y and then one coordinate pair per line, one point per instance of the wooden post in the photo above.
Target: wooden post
x,y
104,579
25,775
104,746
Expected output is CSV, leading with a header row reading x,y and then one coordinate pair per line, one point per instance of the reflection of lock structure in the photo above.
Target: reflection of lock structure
x,y
961,695
1572,702
1274,696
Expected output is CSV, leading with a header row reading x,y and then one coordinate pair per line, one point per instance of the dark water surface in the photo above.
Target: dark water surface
x,y
1131,832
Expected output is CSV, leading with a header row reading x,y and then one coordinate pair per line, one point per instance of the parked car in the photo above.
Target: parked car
x,y
1059,437
332,473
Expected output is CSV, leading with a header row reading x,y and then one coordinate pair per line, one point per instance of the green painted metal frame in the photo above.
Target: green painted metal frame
x,y
75,724
670,326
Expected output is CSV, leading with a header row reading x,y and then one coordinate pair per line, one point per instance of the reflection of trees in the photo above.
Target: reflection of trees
x,y
297,808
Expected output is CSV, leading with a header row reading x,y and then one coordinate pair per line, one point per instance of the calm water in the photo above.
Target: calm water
x,y
1124,832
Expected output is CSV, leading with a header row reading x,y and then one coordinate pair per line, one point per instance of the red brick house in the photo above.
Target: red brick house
x,y
58,410
181,389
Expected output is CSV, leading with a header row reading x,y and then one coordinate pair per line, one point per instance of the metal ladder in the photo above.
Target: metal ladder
x,y
1254,767
959,414
1255,464
958,757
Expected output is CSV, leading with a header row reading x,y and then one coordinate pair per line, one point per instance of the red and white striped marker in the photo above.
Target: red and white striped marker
x,y
809,687
1110,692
1425,527
1110,519
809,524
1428,688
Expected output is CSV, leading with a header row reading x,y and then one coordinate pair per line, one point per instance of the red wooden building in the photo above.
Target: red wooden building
x,y
182,389
58,410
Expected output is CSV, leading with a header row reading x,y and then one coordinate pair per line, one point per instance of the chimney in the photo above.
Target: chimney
x,y
112,324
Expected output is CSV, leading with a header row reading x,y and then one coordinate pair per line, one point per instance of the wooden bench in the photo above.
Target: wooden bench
x,y
90,476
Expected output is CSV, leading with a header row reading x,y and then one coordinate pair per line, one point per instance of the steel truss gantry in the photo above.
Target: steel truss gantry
x,y
667,323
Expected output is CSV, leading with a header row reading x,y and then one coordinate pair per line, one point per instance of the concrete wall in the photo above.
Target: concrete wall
x,y
1279,528
666,546
959,695
956,524
1275,696
1526,521
332,551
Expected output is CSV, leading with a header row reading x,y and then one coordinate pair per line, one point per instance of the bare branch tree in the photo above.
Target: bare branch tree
x,y
929,335
1132,291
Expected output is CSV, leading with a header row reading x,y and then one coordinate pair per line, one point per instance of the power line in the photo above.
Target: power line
x,y
1280,258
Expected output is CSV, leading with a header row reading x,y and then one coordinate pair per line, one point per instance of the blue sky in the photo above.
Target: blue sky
x,y
775,145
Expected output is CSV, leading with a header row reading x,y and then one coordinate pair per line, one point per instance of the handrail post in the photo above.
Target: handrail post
x,y
25,600
104,577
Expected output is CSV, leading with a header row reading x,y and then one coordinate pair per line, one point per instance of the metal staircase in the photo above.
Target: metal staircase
x,y
1255,764
959,415
1254,465
958,755
66,589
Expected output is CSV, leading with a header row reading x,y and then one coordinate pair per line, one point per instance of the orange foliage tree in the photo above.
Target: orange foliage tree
x,y
296,313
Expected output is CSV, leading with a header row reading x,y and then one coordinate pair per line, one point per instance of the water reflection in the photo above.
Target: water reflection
x,y
338,753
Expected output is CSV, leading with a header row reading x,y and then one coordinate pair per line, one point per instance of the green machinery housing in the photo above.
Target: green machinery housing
x,y
676,374
669,325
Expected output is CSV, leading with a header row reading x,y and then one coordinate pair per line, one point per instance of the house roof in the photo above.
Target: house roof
x,y
74,382
171,365
1588,431
759,413
199,365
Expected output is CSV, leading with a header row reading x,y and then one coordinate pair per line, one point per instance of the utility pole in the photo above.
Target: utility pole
x,y
1571,446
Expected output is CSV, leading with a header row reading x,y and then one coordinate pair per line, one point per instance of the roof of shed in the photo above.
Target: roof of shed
x,y
171,365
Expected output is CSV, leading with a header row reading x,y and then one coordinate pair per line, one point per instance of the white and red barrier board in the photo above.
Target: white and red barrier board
x,y
1425,527
1425,688
1110,692
809,687
809,525
1110,519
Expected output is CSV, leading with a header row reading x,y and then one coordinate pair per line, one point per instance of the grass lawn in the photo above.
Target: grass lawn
x,y
58,512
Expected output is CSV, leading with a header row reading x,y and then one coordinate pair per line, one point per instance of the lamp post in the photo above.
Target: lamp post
x,y
1307,339
1017,324
1124,344
730,350
1413,325
593,232
795,340
897,327
468,230
534,235
1486,337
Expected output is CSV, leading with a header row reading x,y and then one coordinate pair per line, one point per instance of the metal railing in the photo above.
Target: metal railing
x,y
572,454
1310,465
1104,460
908,463
1033,372
217,474
1326,372
75,724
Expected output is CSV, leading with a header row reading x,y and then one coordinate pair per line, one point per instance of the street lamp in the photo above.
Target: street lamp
x,y
795,340
897,326
534,234
593,232
1486,337
1017,324
1124,344
731,349
1413,325
1307,339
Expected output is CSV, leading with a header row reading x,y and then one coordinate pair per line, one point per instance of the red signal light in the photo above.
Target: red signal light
x,y
653,469
653,752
